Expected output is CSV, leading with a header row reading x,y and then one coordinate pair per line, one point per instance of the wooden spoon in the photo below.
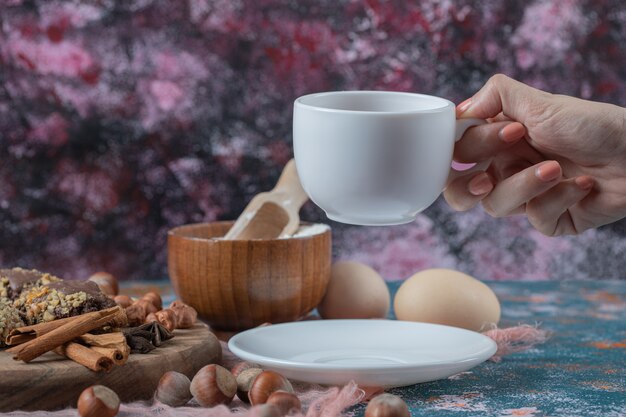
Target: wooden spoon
x,y
272,214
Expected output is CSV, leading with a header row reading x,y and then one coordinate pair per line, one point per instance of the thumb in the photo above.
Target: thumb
x,y
502,94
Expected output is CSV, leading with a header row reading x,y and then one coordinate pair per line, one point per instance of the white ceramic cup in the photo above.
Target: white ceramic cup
x,y
374,157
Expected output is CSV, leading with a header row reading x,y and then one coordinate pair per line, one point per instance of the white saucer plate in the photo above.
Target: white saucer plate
x,y
386,353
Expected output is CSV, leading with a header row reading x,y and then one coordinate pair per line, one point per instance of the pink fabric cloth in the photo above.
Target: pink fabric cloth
x,y
317,401
516,339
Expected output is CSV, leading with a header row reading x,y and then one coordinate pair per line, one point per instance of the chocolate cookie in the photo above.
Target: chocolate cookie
x,y
9,319
61,299
14,281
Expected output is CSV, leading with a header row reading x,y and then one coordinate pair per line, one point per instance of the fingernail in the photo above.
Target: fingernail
x,y
462,108
585,183
512,132
480,184
548,171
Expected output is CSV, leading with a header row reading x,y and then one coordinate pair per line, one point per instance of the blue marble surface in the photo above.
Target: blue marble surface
x,y
579,371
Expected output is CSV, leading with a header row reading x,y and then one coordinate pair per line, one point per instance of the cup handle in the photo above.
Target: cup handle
x,y
461,126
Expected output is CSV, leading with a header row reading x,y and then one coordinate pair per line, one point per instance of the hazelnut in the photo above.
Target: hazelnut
x,y
286,402
147,305
107,283
213,385
167,318
186,315
136,314
266,383
154,298
173,389
265,410
242,366
244,382
123,300
150,318
387,405
98,401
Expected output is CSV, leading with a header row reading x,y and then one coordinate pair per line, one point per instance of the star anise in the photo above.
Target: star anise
x,y
144,338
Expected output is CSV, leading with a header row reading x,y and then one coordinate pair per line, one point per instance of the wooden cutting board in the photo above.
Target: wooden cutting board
x,y
52,382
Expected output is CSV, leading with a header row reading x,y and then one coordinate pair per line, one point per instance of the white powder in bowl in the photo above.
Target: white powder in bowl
x,y
305,231
310,230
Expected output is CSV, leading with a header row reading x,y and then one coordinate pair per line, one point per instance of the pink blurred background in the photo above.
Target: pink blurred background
x,y
120,120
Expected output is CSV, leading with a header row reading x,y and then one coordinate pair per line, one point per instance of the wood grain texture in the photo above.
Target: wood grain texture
x,y
240,284
52,382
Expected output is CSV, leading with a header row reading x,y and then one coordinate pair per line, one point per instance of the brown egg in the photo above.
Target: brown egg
x,y
449,297
355,291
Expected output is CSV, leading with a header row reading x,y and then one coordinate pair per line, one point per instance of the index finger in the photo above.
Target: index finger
x,y
486,141
503,94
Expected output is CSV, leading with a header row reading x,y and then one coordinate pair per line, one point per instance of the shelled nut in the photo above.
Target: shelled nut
x,y
136,314
147,305
167,318
108,283
186,315
123,300
98,401
150,318
153,298
213,385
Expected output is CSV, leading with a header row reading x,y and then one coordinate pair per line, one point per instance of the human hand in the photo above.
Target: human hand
x,y
558,159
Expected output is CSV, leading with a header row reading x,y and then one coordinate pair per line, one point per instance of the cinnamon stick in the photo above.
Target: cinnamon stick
x,y
69,331
18,339
107,340
112,345
118,356
96,361
25,333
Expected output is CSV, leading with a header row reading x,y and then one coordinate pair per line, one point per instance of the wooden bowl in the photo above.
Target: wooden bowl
x,y
239,284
